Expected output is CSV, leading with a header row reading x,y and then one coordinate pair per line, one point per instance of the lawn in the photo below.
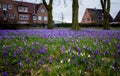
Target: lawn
x,y
59,52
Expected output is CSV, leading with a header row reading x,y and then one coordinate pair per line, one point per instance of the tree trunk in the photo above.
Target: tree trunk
x,y
106,20
106,10
49,9
75,8
50,17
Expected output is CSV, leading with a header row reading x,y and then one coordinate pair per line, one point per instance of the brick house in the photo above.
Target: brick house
x,y
28,13
117,18
94,16
8,12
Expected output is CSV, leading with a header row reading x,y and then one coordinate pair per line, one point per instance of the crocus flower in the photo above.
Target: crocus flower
x,y
118,46
14,54
20,64
106,53
62,49
4,73
118,51
47,69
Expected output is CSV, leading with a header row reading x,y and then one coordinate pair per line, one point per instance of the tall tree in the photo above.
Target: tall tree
x,y
49,9
106,10
75,8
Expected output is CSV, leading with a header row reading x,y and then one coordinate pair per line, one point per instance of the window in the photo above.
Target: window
x,y
26,17
39,18
25,9
34,18
42,10
19,8
88,19
11,15
45,18
9,6
0,5
84,19
4,6
21,17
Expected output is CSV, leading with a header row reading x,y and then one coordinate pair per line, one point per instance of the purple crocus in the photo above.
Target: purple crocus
x,y
78,48
4,73
4,52
20,64
47,69
62,49
95,52
19,50
14,54
42,50
51,60
106,53
119,47
118,52
92,56
27,60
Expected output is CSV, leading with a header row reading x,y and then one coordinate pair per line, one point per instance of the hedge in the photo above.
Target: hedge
x,y
22,26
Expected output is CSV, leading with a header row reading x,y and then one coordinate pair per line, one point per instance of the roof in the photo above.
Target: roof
x,y
117,18
97,13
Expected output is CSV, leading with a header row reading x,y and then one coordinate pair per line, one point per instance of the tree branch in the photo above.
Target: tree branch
x,y
102,4
108,5
45,3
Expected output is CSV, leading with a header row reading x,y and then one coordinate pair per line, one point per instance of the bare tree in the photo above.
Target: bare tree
x,y
106,10
62,17
75,8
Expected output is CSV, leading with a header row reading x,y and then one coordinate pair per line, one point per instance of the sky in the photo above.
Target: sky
x,y
59,7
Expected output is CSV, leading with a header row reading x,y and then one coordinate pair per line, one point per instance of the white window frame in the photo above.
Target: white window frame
x,y
12,15
39,17
45,18
34,17
4,6
26,17
42,10
10,6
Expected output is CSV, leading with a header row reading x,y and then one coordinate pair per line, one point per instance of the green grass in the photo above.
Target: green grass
x,y
66,63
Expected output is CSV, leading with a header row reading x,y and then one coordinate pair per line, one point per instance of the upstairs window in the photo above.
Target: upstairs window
x,y
11,15
25,9
4,6
42,10
9,6
22,9
19,8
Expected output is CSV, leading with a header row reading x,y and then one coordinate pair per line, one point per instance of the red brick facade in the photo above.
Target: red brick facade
x,y
86,17
25,13
93,15
8,11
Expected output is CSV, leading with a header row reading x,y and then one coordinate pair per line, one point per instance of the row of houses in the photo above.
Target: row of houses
x,y
29,13
22,12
